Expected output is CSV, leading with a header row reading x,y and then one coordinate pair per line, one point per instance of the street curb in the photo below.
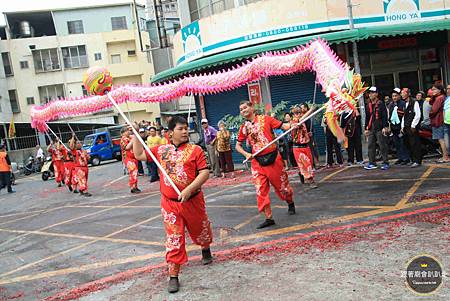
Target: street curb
x,y
103,283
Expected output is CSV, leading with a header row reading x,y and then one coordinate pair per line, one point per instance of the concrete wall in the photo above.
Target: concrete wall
x,y
21,156
5,106
94,19
135,68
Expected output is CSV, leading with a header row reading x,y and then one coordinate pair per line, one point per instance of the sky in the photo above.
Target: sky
x,y
27,5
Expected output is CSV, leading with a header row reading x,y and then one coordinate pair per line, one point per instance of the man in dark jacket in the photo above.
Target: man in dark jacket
x,y
396,112
377,127
410,127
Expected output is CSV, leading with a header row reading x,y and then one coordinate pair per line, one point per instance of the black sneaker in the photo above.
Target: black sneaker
x,y
291,208
70,188
59,185
135,190
76,191
266,223
174,285
302,178
86,194
206,256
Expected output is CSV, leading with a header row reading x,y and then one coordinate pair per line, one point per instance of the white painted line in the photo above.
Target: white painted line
x,y
114,181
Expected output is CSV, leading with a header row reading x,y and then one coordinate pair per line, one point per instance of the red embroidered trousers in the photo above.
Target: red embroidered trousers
x,y
58,167
273,174
80,178
68,170
304,160
178,216
132,167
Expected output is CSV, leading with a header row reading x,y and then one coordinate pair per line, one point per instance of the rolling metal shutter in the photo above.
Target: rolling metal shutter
x,y
296,89
219,105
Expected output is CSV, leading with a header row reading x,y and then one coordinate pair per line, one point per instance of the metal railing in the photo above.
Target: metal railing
x,y
25,142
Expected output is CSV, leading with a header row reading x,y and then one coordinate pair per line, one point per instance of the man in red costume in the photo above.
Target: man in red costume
x,y
302,151
58,153
267,167
129,160
186,166
69,163
80,170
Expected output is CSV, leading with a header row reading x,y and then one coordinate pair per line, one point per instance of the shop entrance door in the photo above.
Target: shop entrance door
x,y
430,77
385,83
409,80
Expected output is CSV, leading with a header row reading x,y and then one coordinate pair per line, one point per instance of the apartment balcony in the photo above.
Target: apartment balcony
x,y
126,69
118,36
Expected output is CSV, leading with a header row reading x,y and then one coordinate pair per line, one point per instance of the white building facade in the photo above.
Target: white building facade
x,y
45,54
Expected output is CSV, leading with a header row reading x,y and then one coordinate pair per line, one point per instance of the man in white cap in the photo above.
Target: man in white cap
x,y
210,135
377,126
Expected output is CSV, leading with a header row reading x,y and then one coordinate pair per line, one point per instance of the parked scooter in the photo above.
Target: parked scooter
x,y
47,169
429,145
32,166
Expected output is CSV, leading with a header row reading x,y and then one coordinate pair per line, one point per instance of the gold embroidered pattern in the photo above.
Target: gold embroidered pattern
x,y
173,162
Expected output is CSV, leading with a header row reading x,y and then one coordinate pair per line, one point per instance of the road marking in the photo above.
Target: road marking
x,y
117,240
318,223
439,166
223,190
69,220
383,180
365,207
21,213
145,257
414,188
76,248
158,206
83,203
334,173
114,181
246,222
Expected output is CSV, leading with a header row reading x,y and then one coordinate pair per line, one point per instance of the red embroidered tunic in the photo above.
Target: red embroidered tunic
x,y
299,135
126,154
181,163
58,153
81,158
259,133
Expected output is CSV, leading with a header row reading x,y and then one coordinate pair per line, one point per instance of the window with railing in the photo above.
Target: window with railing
x,y
46,60
202,8
119,23
48,93
15,108
75,57
7,64
75,27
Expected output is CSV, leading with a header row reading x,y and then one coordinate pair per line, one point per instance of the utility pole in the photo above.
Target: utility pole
x,y
362,107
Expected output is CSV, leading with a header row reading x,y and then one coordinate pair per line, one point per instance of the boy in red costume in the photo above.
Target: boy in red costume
x,y
267,167
58,153
302,151
129,160
186,166
80,169
69,163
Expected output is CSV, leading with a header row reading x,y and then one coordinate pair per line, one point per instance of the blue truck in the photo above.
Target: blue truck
x,y
103,145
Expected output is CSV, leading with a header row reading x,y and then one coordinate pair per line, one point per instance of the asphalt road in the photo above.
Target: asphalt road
x,y
56,243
